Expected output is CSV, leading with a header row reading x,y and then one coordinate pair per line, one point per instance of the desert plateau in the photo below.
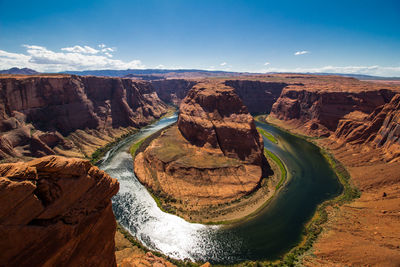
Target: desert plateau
x,y
199,133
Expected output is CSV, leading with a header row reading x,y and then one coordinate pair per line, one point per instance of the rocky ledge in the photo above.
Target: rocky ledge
x,y
56,211
214,155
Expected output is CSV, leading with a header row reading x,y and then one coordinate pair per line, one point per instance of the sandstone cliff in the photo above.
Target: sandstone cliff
x,y
173,90
70,115
362,122
258,96
56,212
317,105
380,129
214,155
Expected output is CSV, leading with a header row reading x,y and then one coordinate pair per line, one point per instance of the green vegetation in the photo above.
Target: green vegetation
x,y
100,152
267,135
135,147
280,164
314,226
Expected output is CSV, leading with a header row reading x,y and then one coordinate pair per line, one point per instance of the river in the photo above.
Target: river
x,y
271,233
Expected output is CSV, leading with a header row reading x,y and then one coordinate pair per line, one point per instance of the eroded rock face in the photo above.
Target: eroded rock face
x,y
320,107
56,212
258,96
213,155
37,112
380,129
213,115
173,90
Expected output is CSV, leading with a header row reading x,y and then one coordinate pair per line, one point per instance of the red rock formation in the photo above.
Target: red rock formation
x,y
172,90
213,156
56,212
37,112
258,96
213,115
319,106
381,129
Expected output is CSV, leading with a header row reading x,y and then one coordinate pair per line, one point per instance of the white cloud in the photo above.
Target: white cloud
x,y
367,70
160,66
223,64
72,58
266,63
298,53
107,49
81,49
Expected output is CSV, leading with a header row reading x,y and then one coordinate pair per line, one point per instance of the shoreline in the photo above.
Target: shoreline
x,y
96,157
312,228
229,213
315,226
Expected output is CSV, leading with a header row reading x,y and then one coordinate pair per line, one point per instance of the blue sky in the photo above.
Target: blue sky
x,y
255,36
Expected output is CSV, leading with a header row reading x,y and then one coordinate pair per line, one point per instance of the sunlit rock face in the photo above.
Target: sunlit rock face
x,y
56,212
213,155
38,113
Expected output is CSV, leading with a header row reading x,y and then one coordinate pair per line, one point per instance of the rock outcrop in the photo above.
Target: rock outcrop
x,y
212,115
56,212
37,113
214,155
318,105
380,129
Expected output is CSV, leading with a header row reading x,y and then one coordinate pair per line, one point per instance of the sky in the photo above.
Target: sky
x,y
234,35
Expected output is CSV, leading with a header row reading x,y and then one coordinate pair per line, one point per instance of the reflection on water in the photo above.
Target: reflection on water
x,y
266,236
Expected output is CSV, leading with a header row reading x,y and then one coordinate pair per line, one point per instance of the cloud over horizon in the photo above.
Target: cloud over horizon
x,y
375,70
70,58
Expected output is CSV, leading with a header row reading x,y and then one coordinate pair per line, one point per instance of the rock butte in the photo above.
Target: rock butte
x,y
56,211
213,155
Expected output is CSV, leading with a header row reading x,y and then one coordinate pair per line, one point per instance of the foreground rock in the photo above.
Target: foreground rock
x,y
70,115
214,155
56,212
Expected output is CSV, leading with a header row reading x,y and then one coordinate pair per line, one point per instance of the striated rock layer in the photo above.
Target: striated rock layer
x,y
56,212
258,96
70,115
172,90
213,155
361,121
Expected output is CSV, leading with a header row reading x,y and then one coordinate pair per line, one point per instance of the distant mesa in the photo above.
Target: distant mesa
x,y
24,71
214,155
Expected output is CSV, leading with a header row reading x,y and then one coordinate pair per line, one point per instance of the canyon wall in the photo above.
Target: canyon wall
x,y
258,96
319,106
361,123
56,212
70,115
173,90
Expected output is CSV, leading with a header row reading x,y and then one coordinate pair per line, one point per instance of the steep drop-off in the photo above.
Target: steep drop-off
x,y
172,90
70,115
56,212
361,121
214,155
258,96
